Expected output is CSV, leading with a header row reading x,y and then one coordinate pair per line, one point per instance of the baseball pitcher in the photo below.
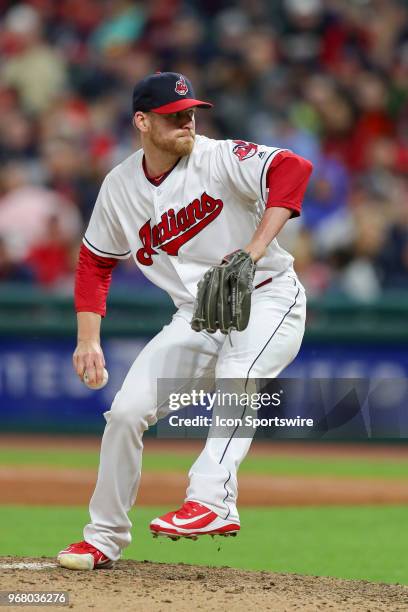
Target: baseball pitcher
x,y
200,218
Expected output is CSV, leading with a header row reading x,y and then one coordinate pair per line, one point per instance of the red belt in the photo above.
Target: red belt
x,y
265,282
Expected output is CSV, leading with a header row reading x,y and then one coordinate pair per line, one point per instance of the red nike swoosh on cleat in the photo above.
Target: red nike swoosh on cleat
x,y
182,522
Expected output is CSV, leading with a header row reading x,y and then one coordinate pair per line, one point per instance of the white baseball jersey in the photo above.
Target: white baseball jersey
x,y
209,205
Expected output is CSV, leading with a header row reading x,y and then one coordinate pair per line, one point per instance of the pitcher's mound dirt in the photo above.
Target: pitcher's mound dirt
x,y
155,587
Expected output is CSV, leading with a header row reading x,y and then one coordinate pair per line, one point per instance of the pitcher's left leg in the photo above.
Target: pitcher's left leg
x,y
268,345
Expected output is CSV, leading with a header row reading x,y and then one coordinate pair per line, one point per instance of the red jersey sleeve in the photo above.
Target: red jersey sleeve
x,y
92,280
287,180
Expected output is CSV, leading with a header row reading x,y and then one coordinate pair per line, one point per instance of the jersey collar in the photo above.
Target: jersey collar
x,y
157,180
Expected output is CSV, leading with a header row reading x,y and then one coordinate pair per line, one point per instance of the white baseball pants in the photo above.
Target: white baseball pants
x,y
270,342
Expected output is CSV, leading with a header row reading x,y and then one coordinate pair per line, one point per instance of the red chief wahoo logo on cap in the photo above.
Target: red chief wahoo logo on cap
x,y
181,86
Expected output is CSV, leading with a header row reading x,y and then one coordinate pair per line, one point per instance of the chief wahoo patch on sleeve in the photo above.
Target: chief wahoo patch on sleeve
x,y
244,150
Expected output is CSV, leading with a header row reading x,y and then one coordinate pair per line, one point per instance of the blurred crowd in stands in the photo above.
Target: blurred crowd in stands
x,y
325,78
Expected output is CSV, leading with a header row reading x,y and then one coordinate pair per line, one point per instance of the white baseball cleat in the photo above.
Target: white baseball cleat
x,y
190,521
83,556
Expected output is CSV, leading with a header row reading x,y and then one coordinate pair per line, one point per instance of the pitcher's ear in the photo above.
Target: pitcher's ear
x,y
140,121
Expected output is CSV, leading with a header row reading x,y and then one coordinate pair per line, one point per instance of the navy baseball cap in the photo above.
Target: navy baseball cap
x,y
165,92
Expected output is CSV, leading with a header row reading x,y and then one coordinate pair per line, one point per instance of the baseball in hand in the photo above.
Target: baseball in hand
x,y
96,385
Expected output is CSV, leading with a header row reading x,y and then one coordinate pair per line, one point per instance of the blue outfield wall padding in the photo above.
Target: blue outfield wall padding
x,y
40,392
